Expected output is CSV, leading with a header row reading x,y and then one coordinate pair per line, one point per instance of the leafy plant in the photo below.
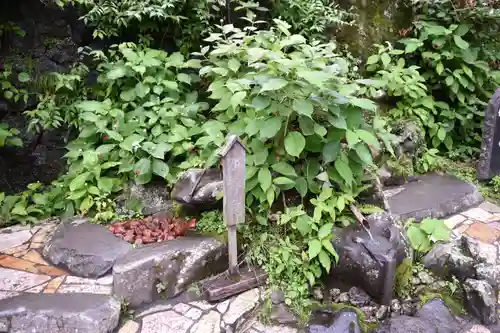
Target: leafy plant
x,y
450,48
9,136
211,223
9,90
424,234
311,18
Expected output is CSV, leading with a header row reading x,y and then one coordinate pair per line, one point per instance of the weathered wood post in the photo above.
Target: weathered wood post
x,y
233,159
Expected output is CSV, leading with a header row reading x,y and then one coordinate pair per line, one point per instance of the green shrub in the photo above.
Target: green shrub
x,y
446,80
424,234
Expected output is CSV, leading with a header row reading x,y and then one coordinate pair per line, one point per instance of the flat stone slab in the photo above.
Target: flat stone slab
x,y
432,196
59,313
84,249
164,270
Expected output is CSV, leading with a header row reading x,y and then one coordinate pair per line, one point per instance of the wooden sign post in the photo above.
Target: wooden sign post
x,y
233,159
234,280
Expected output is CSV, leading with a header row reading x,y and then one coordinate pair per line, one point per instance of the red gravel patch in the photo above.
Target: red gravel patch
x,y
151,229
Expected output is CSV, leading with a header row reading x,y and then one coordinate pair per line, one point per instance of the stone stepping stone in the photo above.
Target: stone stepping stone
x,y
432,196
84,249
164,270
59,313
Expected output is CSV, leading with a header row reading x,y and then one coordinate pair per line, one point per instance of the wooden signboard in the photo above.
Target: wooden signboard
x,y
489,161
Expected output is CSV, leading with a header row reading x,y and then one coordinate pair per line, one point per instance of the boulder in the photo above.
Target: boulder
x,y
60,313
481,301
345,321
84,249
406,324
448,259
198,188
166,269
370,263
438,314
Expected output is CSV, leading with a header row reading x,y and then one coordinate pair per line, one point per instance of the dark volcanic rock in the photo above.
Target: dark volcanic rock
x,y
448,259
433,196
481,301
436,313
370,263
343,322
167,269
406,324
85,249
205,191
358,297
60,313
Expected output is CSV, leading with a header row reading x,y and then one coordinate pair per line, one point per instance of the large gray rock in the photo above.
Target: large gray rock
x,y
438,314
166,269
481,300
342,322
371,263
448,259
406,324
199,193
60,313
85,249
433,195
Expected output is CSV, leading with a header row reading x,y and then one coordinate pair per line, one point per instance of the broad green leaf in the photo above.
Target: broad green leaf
x,y
429,225
19,209
128,95
363,103
368,138
160,168
439,68
386,59
338,122
344,171
265,178
285,169
320,130
325,230
373,59
364,153
303,107
116,73
314,248
325,260
284,181
260,102
352,138
104,149
418,239
301,186
294,143
441,133
79,181
331,151
441,233
274,84
460,42
105,184
461,30
23,77
183,77
327,244
303,224
86,204
238,98
233,64
131,142
143,166
270,127
306,125
141,90
270,196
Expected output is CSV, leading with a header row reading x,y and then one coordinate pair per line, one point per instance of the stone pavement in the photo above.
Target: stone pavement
x,y
23,270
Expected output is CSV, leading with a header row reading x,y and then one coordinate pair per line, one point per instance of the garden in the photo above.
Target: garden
x,y
336,104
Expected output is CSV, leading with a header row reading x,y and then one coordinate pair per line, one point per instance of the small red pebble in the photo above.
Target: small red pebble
x,y
137,172
105,138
